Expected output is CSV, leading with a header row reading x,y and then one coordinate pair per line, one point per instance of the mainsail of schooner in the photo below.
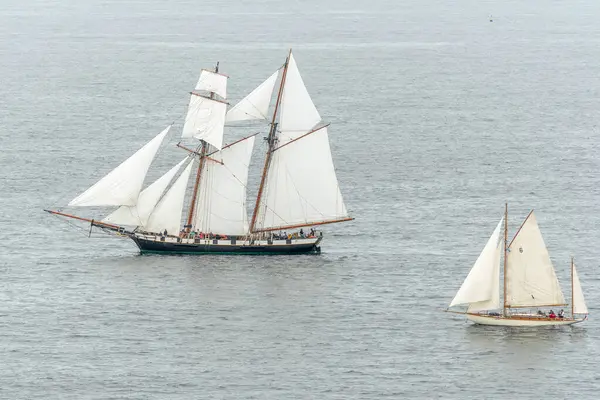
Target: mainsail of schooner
x,y
298,187
530,282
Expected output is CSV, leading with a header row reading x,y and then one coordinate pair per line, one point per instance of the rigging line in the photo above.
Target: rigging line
x,y
83,230
300,196
267,206
248,125
170,185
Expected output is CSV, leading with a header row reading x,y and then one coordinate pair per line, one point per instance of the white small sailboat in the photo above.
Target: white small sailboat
x,y
530,282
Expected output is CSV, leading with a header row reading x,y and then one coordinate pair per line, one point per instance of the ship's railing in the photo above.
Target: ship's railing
x,y
233,240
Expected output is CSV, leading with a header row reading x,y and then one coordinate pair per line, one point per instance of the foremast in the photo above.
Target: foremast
x,y
202,157
271,141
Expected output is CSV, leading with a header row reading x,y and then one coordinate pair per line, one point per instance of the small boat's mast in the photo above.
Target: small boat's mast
x,y
505,252
572,292
271,142
203,150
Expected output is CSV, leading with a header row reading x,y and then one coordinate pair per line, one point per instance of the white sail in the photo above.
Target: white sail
x,y
298,114
256,104
301,186
167,213
221,206
531,278
481,288
205,120
122,186
212,82
138,215
579,306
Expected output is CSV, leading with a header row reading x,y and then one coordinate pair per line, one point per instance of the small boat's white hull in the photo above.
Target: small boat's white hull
x,y
521,320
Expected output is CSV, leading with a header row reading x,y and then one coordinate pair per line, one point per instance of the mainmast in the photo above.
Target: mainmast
x,y
271,140
505,251
572,290
203,151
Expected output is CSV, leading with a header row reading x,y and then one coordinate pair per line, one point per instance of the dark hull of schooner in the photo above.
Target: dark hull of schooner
x,y
171,245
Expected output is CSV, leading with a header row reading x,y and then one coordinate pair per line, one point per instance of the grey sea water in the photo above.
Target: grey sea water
x,y
438,117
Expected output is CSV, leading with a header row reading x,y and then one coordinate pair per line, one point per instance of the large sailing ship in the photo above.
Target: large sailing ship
x,y
530,283
298,188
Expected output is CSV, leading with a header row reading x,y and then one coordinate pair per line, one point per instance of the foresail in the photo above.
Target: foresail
x,y
122,186
531,278
298,113
167,213
138,215
256,104
579,306
481,288
221,207
301,186
210,81
205,120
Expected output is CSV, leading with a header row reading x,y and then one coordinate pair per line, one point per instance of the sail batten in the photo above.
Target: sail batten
x,y
481,288
531,279
167,213
138,215
256,104
222,196
122,186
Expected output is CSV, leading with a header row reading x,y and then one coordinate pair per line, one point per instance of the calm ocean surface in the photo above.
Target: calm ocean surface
x,y
438,117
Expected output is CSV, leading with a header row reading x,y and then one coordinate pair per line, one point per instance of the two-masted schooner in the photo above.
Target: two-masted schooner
x,y
298,188
531,289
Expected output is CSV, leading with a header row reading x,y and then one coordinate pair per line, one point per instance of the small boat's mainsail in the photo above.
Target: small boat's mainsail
x,y
298,188
529,281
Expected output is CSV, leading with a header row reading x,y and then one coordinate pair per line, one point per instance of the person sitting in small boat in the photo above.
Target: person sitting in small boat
x,y
561,314
541,313
301,233
552,315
